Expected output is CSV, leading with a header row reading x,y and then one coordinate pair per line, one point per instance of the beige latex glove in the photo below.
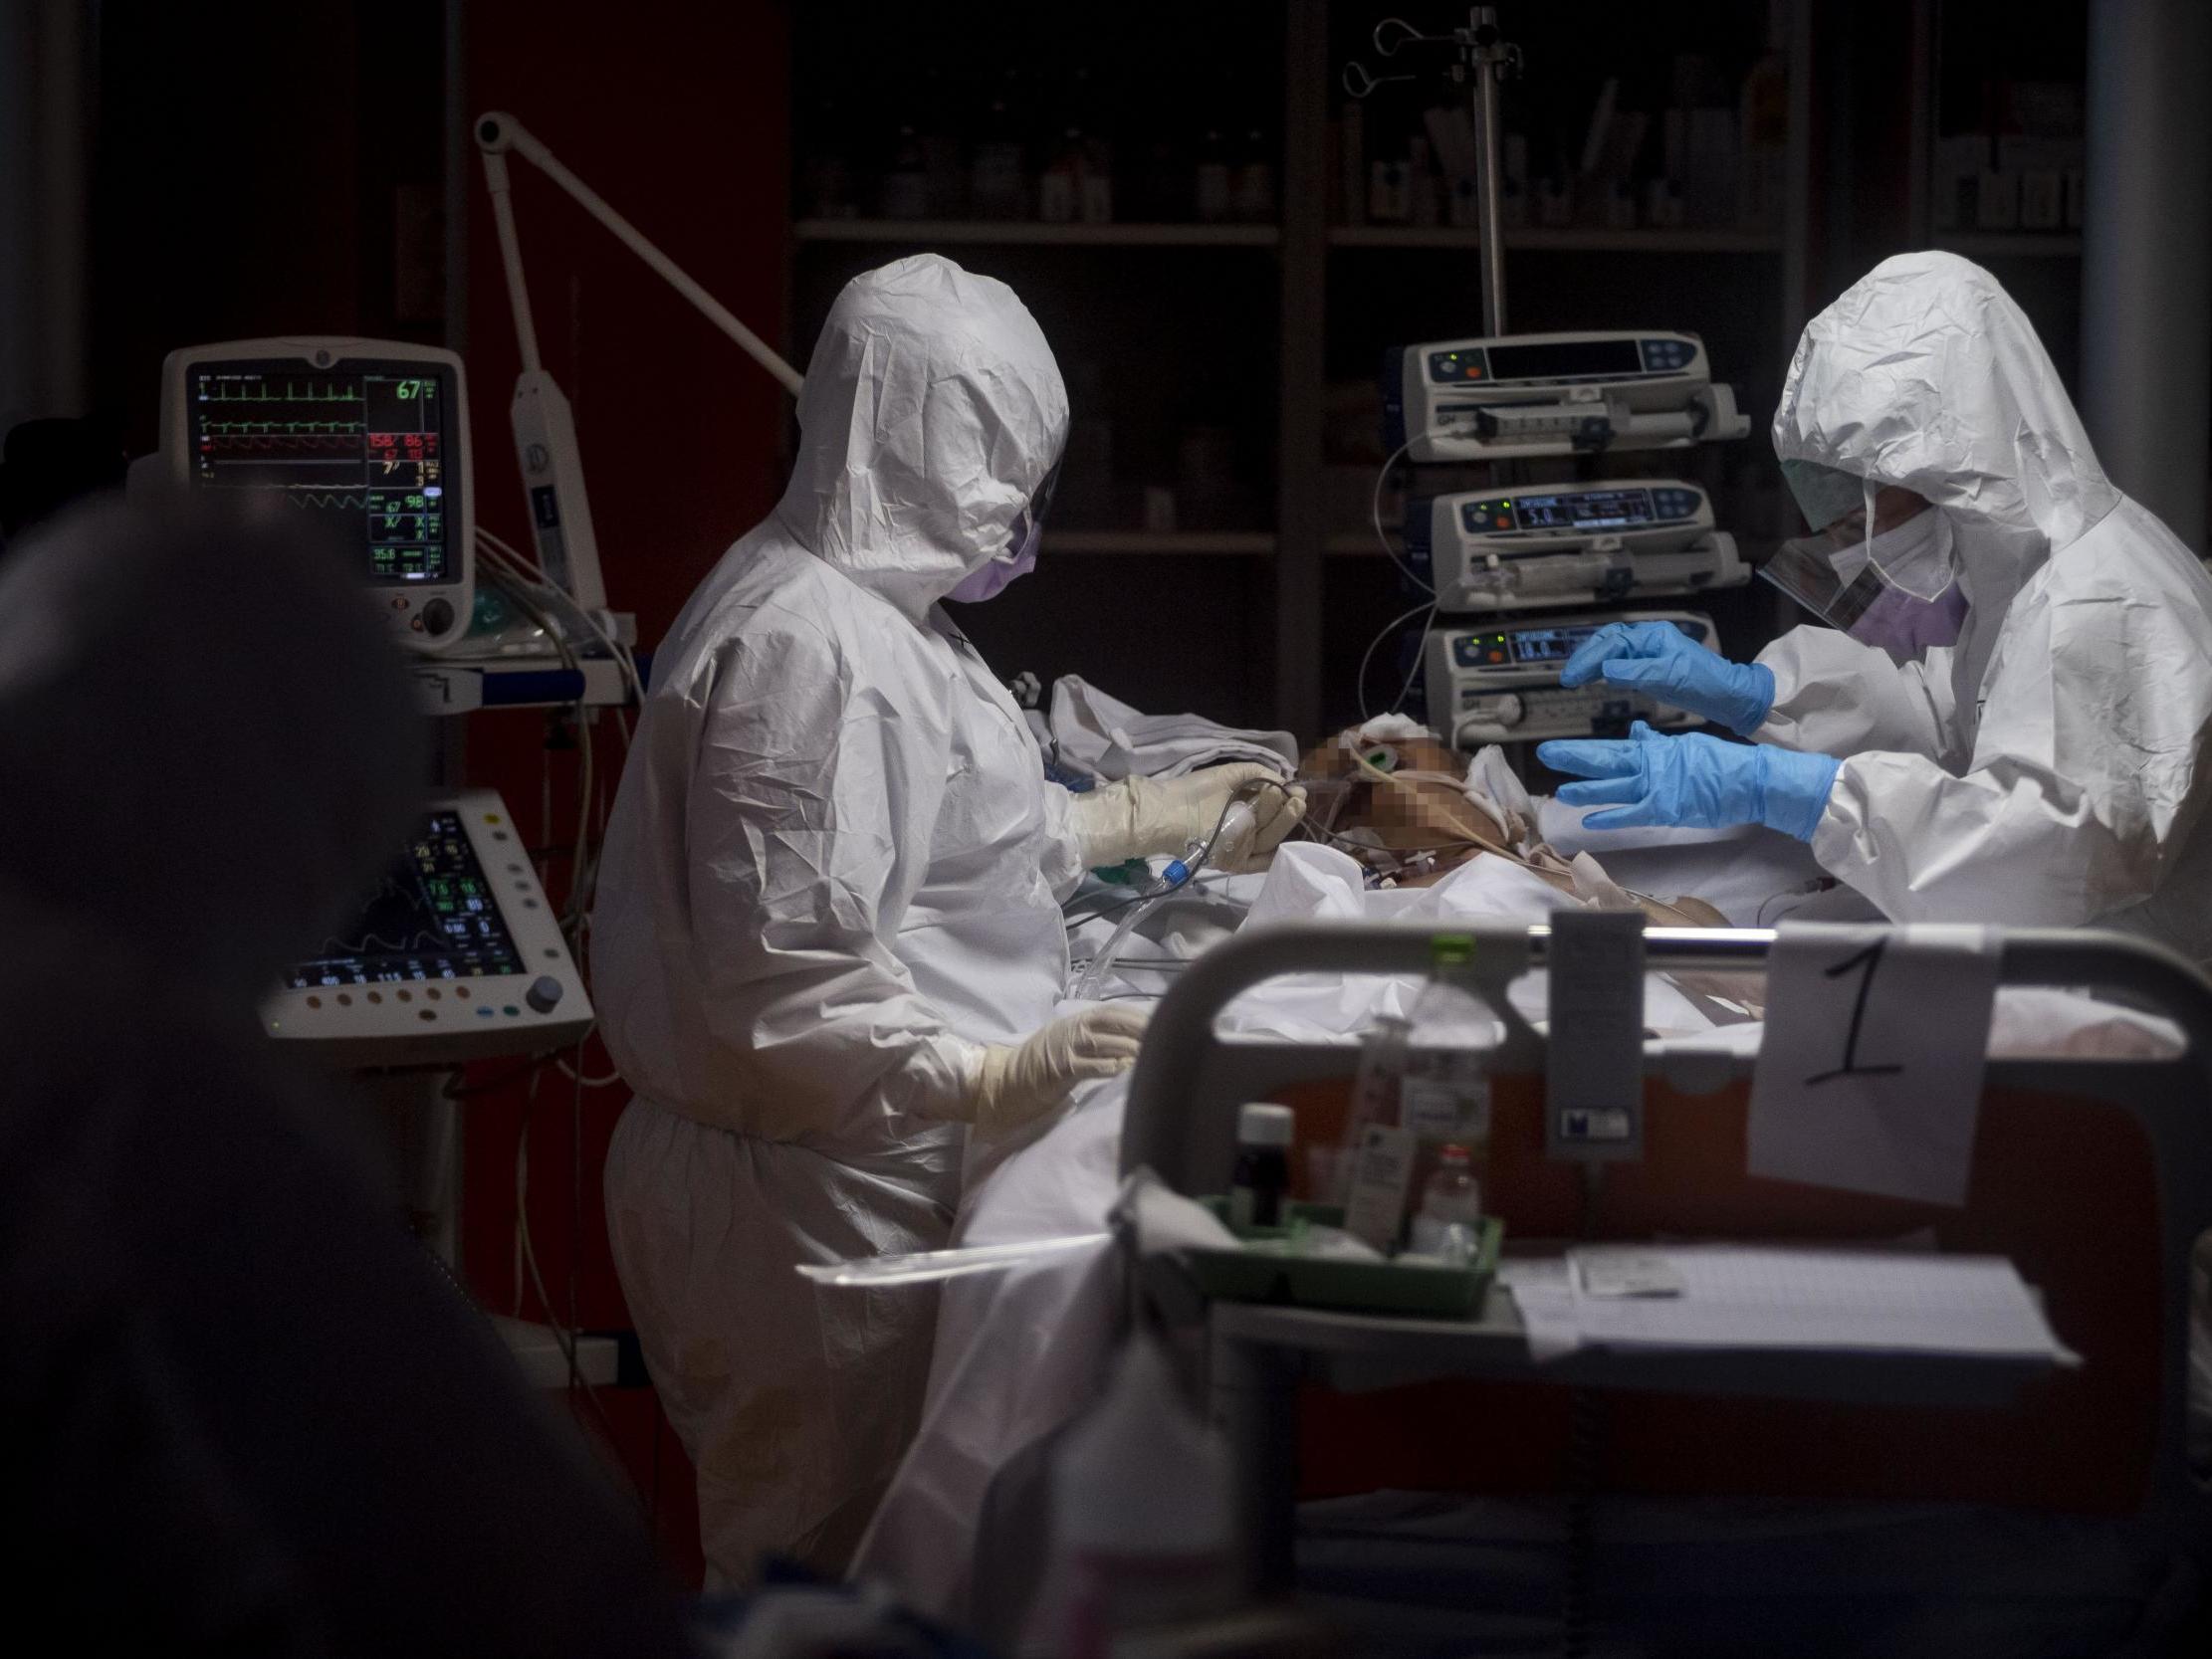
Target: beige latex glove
x,y
1141,816
1015,1084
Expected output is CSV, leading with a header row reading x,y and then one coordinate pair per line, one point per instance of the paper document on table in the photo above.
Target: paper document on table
x,y
1870,1074
1752,1296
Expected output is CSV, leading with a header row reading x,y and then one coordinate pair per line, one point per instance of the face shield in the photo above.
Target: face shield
x,y
1887,580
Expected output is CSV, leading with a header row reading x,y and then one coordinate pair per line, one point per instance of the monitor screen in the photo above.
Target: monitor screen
x,y
1581,509
365,446
432,917
1549,645
1563,357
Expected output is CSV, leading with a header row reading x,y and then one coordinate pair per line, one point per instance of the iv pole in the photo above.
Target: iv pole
x,y
1487,60
544,428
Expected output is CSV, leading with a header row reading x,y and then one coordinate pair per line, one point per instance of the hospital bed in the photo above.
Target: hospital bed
x,y
2094,1175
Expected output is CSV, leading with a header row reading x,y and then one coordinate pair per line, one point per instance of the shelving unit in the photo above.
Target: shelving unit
x,y
1302,585
1571,240
1013,233
1161,541
2010,244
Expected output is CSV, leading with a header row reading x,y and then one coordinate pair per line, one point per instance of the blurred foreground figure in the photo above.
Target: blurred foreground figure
x,y
246,1413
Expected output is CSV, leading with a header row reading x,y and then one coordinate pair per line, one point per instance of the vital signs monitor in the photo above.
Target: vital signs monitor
x,y
369,436
453,956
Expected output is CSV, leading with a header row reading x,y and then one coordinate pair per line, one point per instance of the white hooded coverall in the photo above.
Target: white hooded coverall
x,y
833,863
2048,768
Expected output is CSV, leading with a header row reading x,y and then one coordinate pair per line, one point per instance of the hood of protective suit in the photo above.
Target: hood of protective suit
x,y
207,747
1926,374
932,411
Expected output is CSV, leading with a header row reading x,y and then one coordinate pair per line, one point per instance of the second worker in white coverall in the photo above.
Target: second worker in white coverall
x,y
827,941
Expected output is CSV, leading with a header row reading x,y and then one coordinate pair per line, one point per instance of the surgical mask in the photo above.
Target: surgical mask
x,y
1906,627
1021,555
1914,556
1017,560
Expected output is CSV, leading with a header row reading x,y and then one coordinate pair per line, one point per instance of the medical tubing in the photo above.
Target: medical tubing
x,y
1368,656
1375,515
1179,873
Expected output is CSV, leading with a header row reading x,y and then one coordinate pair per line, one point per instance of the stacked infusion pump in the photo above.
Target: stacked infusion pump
x,y
1506,562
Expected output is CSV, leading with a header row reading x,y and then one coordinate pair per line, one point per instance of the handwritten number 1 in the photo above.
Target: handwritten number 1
x,y
1872,956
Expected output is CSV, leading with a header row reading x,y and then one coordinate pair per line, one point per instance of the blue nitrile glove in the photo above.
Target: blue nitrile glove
x,y
1693,780
1660,660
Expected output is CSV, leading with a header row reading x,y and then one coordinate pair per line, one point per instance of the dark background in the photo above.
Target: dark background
x,y
266,168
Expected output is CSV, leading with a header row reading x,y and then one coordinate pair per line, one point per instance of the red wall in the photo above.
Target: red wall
x,y
677,115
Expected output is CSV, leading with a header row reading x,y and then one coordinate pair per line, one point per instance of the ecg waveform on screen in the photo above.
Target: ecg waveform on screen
x,y
288,391
298,432
431,917
367,449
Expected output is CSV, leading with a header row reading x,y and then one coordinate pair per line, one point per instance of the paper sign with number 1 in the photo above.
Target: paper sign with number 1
x,y
1870,1071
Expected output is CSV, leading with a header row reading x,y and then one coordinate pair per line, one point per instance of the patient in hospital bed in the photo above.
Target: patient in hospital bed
x,y
1018,1353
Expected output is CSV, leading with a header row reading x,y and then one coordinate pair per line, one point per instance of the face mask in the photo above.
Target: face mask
x,y
1906,627
1914,556
1020,556
1019,561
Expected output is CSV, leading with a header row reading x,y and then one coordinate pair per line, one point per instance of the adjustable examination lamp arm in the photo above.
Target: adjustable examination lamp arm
x,y
498,133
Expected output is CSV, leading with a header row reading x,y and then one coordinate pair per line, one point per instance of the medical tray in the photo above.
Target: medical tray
x,y
1259,1273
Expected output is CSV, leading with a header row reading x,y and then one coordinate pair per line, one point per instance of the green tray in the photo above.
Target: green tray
x,y
1260,1274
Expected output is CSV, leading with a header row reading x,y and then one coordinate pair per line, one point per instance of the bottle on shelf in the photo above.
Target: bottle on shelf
x,y
1424,204
997,177
1061,185
1253,191
1088,113
1211,198
826,185
905,191
1351,170
937,122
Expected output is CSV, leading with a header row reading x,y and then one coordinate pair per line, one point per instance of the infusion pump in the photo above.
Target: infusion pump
x,y
1498,683
1553,394
1505,549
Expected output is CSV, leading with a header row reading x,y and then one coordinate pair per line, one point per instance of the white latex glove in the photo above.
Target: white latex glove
x,y
1141,816
1015,1084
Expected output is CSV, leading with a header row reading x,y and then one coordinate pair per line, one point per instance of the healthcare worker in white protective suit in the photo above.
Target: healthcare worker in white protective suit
x,y
827,943
2006,721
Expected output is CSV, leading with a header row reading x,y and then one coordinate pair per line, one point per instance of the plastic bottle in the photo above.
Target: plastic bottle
x,y
1451,1209
1061,186
1445,1095
1211,196
1252,192
997,184
1375,1090
1143,1512
1255,1190
906,186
